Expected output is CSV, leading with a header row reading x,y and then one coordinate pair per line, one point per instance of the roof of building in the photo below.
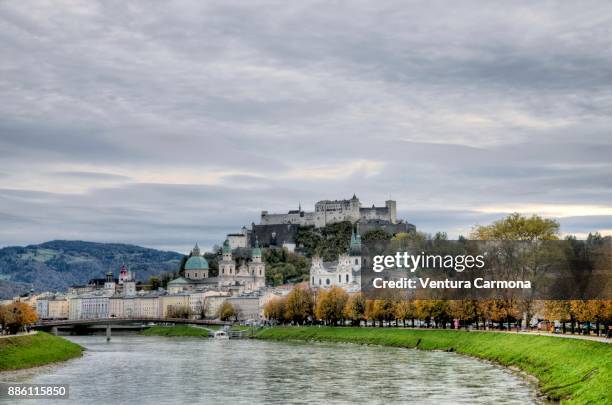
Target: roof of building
x,y
196,263
180,280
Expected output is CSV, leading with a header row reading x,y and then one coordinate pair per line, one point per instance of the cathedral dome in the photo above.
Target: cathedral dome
x,y
196,263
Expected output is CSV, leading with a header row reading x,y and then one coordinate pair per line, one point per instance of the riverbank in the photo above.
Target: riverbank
x,y
176,330
24,351
576,371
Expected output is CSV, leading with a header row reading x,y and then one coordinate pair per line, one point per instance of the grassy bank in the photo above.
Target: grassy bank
x,y
579,371
177,330
35,350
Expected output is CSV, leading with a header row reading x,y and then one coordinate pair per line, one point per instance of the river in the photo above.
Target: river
x,y
159,370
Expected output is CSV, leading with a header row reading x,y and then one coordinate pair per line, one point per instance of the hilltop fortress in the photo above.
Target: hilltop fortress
x,y
328,212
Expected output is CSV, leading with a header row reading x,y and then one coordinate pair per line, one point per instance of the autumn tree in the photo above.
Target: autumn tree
x,y
386,310
355,309
405,309
227,311
275,310
505,310
423,309
179,311
466,311
330,305
558,311
299,305
371,311
16,316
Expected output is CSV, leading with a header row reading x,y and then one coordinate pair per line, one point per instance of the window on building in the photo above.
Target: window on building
x,y
313,280
347,278
327,281
339,278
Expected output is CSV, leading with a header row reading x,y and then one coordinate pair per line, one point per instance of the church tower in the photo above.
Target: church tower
x,y
227,266
257,268
355,249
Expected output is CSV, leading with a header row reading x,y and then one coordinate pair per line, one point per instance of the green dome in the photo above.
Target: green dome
x,y
256,250
226,247
196,263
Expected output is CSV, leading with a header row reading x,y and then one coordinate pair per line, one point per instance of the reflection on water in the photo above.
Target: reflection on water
x,y
143,370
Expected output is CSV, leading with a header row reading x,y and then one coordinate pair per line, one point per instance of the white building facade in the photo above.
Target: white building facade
x,y
345,272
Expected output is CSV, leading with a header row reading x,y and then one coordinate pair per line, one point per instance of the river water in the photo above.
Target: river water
x,y
161,370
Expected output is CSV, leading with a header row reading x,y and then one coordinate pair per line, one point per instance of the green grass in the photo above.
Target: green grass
x,y
177,330
35,350
572,370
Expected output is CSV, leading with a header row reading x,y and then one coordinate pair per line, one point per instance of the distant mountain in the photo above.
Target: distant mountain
x,y
58,264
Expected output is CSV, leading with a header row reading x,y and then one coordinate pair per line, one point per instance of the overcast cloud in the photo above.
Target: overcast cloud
x,y
163,123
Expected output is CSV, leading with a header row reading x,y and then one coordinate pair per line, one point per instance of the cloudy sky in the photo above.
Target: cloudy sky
x,y
163,123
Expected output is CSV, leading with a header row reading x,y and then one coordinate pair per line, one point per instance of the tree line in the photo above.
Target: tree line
x,y
336,307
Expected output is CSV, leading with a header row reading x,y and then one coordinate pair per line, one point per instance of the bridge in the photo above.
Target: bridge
x,y
54,325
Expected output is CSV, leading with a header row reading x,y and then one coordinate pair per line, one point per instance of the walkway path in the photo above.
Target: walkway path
x,y
560,335
32,332
539,333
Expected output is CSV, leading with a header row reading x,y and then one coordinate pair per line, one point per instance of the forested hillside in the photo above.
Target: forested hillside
x,y
58,264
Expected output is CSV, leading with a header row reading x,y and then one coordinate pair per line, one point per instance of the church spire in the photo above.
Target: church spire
x,y
256,252
196,250
355,246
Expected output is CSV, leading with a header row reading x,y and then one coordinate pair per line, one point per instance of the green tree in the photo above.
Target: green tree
x,y
376,234
413,236
327,242
518,227
154,283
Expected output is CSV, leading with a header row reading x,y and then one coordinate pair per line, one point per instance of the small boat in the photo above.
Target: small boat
x,y
221,334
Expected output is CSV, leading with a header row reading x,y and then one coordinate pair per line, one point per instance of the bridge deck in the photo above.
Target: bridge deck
x,y
105,321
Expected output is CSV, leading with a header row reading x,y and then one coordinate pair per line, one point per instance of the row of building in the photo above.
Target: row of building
x,y
243,285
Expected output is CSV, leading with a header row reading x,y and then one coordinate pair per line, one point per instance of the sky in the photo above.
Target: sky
x,y
166,123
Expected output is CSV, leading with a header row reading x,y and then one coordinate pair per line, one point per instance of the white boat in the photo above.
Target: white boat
x,y
221,334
